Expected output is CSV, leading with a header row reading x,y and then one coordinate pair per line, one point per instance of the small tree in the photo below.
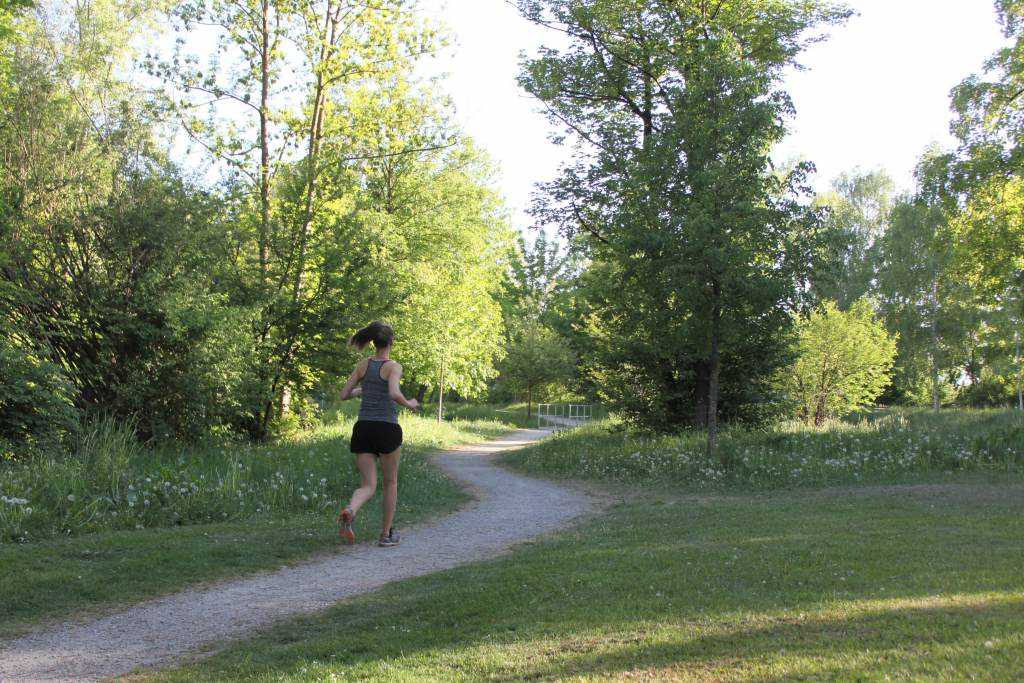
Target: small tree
x,y
537,359
844,362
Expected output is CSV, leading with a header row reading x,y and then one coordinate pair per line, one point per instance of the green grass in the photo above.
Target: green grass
x,y
865,584
884,447
110,483
114,563
512,414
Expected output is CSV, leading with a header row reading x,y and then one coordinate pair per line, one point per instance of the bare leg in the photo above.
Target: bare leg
x,y
368,472
389,473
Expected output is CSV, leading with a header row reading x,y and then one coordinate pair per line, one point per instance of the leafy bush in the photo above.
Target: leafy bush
x,y
844,363
990,391
36,411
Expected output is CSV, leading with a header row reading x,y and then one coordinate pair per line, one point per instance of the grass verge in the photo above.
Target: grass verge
x,y
900,582
512,414
182,537
885,447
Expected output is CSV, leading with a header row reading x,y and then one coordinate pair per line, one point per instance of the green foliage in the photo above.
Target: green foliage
x,y
380,214
991,390
843,364
192,308
538,360
111,258
988,174
858,212
445,302
113,483
36,409
9,9
921,291
538,279
541,334
882,447
695,243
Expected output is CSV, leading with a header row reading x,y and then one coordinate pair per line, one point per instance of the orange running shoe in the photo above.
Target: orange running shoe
x,y
345,532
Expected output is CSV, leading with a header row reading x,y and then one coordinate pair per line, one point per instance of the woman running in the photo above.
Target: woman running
x,y
377,434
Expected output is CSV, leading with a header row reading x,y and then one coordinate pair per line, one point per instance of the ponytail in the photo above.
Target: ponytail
x,y
379,333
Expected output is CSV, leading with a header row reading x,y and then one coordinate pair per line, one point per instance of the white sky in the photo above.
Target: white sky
x,y
874,96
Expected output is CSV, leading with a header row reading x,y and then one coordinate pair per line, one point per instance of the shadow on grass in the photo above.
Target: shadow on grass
x,y
774,587
814,646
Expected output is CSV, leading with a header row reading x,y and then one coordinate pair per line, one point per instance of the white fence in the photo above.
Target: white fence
x,y
558,416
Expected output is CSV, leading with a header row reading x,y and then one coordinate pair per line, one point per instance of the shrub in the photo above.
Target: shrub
x,y
990,391
844,362
36,410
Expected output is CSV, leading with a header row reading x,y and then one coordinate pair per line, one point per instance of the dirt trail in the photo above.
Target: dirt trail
x,y
509,508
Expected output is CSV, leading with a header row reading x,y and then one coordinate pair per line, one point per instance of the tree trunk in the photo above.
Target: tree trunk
x,y
313,148
820,414
714,371
1020,372
264,140
440,395
421,394
936,399
529,402
284,402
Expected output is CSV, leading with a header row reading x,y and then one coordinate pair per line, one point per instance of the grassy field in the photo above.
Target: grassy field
x,y
906,446
112,483
853,584
212,513
514,414
803,566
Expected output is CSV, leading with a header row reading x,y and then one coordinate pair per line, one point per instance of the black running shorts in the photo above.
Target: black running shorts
x,y
379,438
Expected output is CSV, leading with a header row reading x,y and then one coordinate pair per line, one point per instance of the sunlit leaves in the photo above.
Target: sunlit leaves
x,y
844,362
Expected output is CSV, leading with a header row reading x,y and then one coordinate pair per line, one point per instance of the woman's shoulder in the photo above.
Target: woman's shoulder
x,y
391,366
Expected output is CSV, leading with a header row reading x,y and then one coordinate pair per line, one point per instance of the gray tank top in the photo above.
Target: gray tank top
x,y
376,405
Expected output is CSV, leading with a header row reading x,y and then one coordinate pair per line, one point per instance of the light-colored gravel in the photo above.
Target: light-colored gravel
x,y
509,508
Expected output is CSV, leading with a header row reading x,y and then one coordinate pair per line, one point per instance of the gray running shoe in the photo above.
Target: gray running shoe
x,y
392,539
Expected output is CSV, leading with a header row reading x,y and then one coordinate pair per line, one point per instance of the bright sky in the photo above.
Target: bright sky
x,y
874,96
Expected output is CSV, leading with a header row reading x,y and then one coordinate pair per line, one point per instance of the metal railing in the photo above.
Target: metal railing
x,y
558,416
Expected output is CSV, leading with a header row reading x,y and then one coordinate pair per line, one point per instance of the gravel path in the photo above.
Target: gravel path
x,y
509,508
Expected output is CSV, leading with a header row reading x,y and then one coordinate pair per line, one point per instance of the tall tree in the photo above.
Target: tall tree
x,y
989,123
920,290
858,213
277,110
536,275
675,106
538,359
990,241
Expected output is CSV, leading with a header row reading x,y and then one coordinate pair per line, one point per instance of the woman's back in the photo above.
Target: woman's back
x,y
376,405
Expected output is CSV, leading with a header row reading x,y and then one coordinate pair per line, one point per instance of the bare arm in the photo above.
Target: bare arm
x,y
395,390
350,390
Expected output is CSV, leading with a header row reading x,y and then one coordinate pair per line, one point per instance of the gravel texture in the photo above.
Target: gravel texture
x,y
508,508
